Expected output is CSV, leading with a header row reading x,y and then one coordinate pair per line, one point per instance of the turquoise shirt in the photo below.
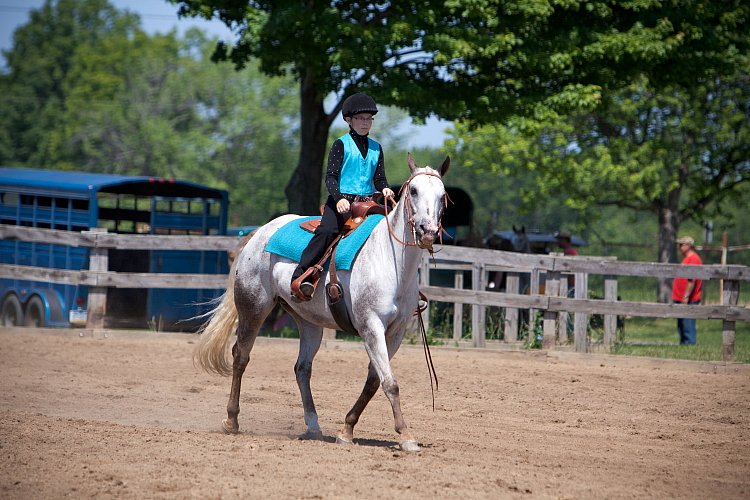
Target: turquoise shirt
x,y
356,172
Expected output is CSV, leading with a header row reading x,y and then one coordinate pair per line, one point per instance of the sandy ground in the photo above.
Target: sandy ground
x,y
126,415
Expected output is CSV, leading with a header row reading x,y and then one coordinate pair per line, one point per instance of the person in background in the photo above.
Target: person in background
x,y
564,241
687,290
356,170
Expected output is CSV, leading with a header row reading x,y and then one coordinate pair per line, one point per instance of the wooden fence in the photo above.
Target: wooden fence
x,y
545,272
98,277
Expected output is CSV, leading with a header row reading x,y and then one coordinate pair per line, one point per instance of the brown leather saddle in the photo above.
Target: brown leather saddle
x,y
359,211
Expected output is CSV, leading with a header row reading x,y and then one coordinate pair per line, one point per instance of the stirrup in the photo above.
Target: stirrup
x,y
304,290
307,289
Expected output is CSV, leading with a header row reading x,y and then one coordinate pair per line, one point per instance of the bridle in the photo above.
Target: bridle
x,y
409,211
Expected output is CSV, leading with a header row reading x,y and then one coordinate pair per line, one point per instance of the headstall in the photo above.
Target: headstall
x,y
409,211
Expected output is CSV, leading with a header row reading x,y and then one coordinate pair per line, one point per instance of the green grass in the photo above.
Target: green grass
x,y
658,338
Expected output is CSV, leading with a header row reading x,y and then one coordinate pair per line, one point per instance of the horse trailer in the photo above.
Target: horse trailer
x,y
80,201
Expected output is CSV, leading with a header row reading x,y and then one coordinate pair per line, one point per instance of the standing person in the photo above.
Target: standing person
x,y
563,241
687,290
356,170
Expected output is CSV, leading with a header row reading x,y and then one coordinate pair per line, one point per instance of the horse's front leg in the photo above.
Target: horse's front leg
x,y
380,354
408,442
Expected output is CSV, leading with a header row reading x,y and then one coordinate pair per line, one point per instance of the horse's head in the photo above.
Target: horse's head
x,y
520,241
425,200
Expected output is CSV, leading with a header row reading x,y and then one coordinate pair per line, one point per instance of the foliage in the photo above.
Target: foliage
x,y
120,101
504,184
682,154
533,332
34,85
482,61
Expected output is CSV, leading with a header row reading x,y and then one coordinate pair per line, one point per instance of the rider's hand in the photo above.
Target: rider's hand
x,y
388,193
342,206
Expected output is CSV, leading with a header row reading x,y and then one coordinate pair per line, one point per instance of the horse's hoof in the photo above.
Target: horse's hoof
x,y
343,440
228,427
312,435
410,445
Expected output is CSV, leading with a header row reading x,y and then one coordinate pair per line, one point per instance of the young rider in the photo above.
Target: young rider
x,y
356,170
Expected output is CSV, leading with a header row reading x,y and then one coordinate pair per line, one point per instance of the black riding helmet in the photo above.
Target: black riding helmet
x,y
359,103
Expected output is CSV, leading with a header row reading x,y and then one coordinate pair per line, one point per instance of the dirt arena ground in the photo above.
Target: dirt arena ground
x,y
126,415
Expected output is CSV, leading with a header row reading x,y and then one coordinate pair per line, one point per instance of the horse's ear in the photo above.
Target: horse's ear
x,y
444,167
515,230
523,229
410,162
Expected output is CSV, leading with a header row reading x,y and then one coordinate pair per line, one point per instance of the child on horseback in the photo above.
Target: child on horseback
x,y
356,170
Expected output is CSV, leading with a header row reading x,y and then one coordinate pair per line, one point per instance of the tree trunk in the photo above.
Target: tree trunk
x,y
303,190
669,224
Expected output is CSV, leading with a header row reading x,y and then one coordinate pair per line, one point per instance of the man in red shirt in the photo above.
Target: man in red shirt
x,y
564,241
687,290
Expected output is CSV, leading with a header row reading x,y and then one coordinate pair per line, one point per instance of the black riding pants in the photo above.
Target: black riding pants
x,y
329,228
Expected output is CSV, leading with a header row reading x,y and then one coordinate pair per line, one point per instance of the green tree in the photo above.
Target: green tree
x,y
681,155
482,61
33,85
157,106
136,104
130,108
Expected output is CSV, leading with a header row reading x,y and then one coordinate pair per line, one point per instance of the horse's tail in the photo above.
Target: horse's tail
x,y
211,351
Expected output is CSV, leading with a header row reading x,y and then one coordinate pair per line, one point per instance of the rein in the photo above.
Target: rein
x,y
426,346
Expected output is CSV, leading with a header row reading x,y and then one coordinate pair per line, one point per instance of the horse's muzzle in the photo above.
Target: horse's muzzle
x,y
426,239
425,234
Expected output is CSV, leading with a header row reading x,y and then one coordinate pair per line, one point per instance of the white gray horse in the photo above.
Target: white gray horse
x,y
380,290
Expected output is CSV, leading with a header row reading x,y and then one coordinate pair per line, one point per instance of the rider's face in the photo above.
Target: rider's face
x,y
361,123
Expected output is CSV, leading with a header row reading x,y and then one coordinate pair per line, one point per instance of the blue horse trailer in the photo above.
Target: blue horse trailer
x,y
79,201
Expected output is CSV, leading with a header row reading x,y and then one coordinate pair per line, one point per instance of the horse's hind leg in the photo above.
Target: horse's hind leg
x,y
346,436
309,343
250,319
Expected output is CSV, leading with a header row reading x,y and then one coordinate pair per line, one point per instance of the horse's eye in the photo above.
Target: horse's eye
x,y
413,191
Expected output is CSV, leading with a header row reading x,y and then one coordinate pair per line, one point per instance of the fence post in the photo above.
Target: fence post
x,y
97,302
551,288
724,244
562,316
477,311
610,320
730,295
458,307
580,320
533,290
512,282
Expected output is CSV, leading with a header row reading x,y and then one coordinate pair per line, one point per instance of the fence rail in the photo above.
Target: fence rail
x,y
544,271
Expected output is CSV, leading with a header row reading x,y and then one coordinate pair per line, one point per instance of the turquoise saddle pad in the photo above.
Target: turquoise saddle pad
x,y
291,240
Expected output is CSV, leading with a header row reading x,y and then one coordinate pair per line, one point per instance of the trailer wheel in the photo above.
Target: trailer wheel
x,y
12,314
34,312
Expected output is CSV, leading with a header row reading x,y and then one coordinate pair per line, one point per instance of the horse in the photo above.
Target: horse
x,y
381,293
